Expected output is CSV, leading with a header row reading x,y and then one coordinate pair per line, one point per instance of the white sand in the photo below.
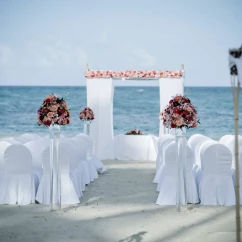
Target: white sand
x,y
119,206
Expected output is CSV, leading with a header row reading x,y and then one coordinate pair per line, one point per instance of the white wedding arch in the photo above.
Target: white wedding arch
x,y
100,90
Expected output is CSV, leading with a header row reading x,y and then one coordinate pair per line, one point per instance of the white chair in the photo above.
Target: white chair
x,y
24,138
97,162
162,143
195,142
36,148
167,184
77,175
12,141
225,138
3,146
18,182
216,183
68,192
83,153
230,143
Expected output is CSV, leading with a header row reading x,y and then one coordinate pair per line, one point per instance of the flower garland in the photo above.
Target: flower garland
x,y
135,132
180,113
133,74
53,110
86,114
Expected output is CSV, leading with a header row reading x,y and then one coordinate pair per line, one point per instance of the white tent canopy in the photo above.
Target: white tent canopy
x,y
100,90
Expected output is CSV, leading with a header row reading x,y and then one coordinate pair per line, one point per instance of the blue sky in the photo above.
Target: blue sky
x,y
48,42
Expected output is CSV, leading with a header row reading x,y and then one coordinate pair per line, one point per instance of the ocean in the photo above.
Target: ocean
x,y
134,107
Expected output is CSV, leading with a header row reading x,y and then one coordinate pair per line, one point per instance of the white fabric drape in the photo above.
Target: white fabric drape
x,y
135,147
100,100
169,87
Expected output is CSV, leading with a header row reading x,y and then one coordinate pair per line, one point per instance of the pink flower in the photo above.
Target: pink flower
x,y
50,114
53,108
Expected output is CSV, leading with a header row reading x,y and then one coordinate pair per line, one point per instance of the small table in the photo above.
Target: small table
x,y
135,147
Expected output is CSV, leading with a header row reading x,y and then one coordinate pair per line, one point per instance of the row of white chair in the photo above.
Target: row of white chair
x,y
210,162
29,164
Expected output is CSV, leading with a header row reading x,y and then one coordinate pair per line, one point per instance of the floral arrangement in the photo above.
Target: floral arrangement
x,y
180,113
86,114
132,74
53,110
135,132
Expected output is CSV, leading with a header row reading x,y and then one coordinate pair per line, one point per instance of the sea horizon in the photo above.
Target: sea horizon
x,y
133,107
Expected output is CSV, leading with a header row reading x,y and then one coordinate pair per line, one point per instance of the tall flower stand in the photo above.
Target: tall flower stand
x,y
87,125
55,187
181,143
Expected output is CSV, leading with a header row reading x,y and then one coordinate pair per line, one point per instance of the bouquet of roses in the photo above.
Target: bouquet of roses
x,y
53,110
86,114
135,132
180,113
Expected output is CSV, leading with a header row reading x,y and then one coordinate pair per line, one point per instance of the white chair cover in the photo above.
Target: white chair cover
x,y
3,146
36,136
167,184
195,142
82,145
24,138
12,141
163,140
230,143
162,144
97,162
76,174
223,140
36,148
18,181
68,192
216,183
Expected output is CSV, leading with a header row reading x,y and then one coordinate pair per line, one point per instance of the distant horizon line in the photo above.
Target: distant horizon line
x,y
85,86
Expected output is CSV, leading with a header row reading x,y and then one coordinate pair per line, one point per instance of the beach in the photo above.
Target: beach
x,y
118,207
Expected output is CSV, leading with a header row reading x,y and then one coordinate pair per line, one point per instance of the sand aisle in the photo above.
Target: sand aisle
x,y
118,207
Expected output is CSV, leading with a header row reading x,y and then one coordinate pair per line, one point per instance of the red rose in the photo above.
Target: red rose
x,y
47,123
62,110
173,125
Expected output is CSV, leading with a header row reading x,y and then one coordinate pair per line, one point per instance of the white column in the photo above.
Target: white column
x,y
169,87
100,100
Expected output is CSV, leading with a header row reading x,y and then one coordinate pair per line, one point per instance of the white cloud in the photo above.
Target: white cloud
x,y
6,56
58,54
140,58
144,58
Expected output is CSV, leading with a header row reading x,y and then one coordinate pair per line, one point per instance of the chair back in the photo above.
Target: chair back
x,y
230,143
71,146
24,138
82,147
36,148
216,159
195,142
18,159
3,146
170,156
